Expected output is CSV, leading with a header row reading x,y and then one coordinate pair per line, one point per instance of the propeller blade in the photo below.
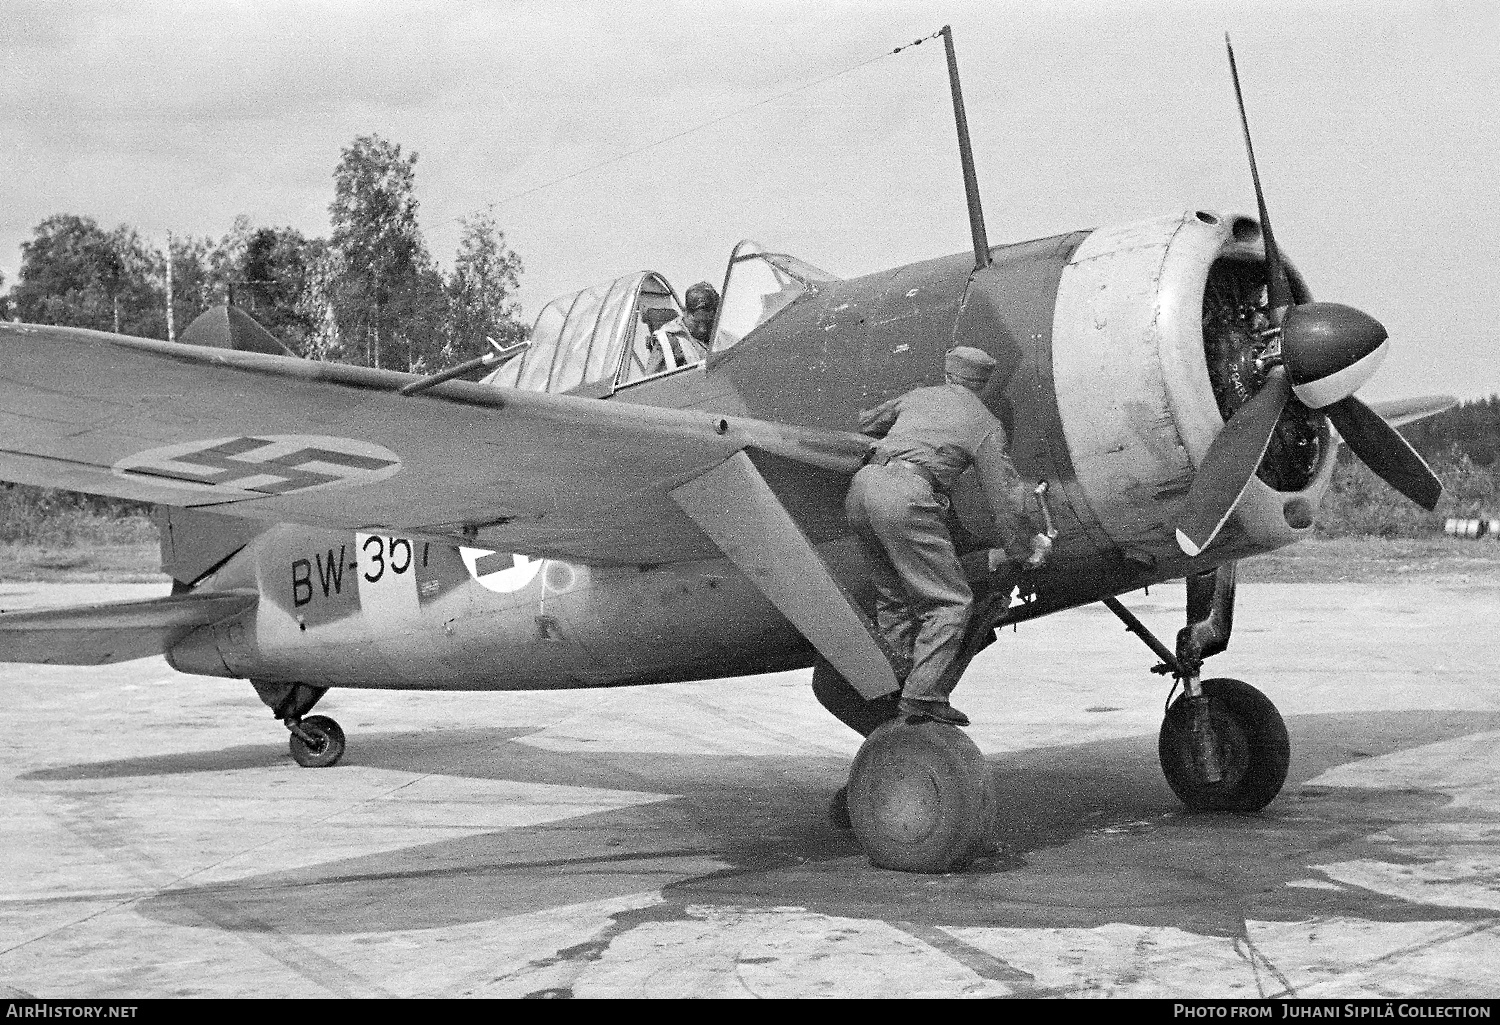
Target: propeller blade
x,y
1278,290
1230,463
1381,448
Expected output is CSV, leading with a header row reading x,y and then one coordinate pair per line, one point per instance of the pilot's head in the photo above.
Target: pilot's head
x,y
700,305
969,367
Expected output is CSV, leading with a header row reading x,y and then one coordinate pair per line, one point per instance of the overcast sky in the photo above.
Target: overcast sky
x,y
1375,125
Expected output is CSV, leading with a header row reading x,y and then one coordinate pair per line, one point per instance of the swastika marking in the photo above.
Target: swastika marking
x,y
233,464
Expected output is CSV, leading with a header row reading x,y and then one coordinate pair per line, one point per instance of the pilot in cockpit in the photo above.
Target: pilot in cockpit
x,y
685,339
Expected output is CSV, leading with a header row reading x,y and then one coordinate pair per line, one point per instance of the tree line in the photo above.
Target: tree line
x,y
1469,430
370,293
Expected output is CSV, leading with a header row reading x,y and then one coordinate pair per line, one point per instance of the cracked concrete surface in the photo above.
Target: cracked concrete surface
x,y
671,841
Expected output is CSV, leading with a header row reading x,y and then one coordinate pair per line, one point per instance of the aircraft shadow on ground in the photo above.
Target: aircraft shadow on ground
x,y
244,756
1089,835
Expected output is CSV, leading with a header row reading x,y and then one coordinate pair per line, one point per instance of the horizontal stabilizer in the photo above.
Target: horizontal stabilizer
x,y
91,635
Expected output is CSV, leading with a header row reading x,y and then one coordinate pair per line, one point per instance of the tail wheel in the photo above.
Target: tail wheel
x,y
1251,740
327,745
920,798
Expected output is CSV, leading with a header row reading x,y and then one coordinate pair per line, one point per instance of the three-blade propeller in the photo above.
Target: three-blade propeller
x,y
1327,351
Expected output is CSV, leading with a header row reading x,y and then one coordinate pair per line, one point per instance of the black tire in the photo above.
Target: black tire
x,y
1254,749
921,798
838,810
328,749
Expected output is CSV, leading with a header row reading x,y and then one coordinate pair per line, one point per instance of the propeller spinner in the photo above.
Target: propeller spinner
x,y
1327,351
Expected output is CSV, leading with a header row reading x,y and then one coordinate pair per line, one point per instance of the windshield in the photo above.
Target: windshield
x,y
760,285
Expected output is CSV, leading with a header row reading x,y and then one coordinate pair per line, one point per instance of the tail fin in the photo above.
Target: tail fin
x,y
229,327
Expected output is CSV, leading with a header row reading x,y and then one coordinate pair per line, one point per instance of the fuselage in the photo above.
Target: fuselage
x,y
339,609
1103,388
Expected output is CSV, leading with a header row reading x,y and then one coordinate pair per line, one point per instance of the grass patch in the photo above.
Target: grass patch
x,y
136,563
1379,559
53,518
51,535
1358,503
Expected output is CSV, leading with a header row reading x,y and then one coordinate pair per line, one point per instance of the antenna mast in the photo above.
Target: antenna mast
x,y
966,156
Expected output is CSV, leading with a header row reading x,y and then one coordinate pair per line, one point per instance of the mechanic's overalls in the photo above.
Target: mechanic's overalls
x,y
898,506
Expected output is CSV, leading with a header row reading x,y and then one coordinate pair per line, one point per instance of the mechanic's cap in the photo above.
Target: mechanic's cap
x,y
967,363
701,296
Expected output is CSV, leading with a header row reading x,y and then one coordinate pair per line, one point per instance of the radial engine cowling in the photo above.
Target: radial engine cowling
x,y
1158,331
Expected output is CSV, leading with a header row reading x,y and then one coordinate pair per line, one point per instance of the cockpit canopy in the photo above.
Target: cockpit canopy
x,y
580,338
606,336
758,286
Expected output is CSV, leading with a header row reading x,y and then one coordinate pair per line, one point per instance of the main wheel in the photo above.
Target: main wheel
x,y
328,746
838,810
921,798
1253,748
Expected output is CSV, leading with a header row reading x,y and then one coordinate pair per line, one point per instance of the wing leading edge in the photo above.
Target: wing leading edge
x,y
1399,412
283,439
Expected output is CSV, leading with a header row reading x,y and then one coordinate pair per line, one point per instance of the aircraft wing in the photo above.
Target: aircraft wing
x,y
92,635
1398,412
283,439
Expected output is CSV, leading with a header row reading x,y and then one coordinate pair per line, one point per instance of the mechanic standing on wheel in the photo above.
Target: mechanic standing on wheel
x,y
898,505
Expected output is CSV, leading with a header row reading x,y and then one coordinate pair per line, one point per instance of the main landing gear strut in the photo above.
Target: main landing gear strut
x,y
317,741
1223,745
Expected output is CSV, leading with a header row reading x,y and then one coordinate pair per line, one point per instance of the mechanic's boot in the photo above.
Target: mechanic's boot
x,y
937,711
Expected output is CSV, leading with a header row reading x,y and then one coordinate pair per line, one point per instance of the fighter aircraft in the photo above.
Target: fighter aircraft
x,y
591,514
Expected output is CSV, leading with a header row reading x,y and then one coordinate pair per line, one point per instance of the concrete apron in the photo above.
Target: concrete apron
x,y
671,841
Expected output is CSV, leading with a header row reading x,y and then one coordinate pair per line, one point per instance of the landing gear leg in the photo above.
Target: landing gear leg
x,y
846,704
849,707
317,741
1223,745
